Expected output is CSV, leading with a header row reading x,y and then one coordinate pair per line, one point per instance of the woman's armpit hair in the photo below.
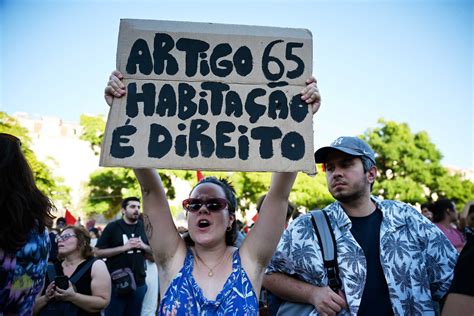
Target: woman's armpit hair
x,y
148,226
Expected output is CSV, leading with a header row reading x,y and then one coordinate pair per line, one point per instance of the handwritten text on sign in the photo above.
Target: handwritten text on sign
x,y
226,96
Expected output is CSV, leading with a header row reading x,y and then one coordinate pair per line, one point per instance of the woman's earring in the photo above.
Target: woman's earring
x,y
229,228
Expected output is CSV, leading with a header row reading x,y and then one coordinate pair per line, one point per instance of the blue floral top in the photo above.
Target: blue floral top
x,y
185,297
22,274
417,259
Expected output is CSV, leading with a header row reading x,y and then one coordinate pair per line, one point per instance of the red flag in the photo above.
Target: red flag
x,y
255,218
199,175
70,219
323,167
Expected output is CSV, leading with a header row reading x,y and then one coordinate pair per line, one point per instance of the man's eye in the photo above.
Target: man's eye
x,y
346,164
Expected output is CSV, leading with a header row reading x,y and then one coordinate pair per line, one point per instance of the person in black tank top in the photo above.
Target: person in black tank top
x,y
88,286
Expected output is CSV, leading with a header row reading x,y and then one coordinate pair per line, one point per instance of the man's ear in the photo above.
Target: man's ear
x,y
372,174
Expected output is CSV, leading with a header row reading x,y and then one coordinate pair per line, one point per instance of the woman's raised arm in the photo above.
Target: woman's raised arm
x,y
261,242
162,234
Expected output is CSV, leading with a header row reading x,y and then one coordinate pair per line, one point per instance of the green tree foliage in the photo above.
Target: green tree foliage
x,y
46,182
93,128
107,187
409,166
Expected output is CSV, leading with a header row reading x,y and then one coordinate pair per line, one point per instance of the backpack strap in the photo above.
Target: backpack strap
x,y
81,272
327,244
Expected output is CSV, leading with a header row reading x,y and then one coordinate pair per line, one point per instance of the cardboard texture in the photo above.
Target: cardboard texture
x,y
211,97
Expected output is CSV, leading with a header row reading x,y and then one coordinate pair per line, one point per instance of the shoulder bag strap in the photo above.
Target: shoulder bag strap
x,y
83,270
327,244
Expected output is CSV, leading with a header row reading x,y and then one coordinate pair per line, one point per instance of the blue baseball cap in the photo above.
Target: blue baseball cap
x,y
353,146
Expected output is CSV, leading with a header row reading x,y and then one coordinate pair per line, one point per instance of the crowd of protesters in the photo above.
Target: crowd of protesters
x,y
391,258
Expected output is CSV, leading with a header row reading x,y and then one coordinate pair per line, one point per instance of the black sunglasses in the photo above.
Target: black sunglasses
x,y
212,205
11,137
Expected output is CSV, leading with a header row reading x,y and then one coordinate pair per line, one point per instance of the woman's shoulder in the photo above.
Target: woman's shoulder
x,y
97,263
36,248
99,270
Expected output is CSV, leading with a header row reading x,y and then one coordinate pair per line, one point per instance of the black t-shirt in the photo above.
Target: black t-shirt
x,y
375,299
117,234
463,281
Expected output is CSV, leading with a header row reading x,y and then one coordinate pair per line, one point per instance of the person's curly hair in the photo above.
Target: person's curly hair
x,y
24,207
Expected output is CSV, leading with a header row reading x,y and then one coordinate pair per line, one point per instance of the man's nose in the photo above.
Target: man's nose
x,y
337,171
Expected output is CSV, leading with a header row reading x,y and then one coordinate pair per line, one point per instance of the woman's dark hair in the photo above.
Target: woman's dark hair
x,y
83,240
229,191
24,207
439,207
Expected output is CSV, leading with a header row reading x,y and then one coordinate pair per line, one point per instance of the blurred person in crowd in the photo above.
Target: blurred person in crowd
x,y
391,260
60,223
90,294
240,235
460,299
194,272
24,241
425,211
296,214
95,235
90,224
53,251
150,301
124,243
469,228
445,218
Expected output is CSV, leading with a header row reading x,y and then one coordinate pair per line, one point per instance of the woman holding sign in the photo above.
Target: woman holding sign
x,y
204,273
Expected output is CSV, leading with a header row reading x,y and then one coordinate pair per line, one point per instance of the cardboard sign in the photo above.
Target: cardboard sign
x,y
211,97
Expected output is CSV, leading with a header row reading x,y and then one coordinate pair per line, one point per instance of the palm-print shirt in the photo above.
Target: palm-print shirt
x,y
185,297
22,274
417,259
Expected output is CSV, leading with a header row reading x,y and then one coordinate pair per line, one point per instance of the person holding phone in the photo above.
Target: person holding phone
x,y
81,283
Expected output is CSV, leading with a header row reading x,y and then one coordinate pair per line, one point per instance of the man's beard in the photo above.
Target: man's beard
x,y
132,218
358,191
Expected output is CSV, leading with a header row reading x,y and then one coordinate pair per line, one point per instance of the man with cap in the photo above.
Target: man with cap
x,y
391,259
